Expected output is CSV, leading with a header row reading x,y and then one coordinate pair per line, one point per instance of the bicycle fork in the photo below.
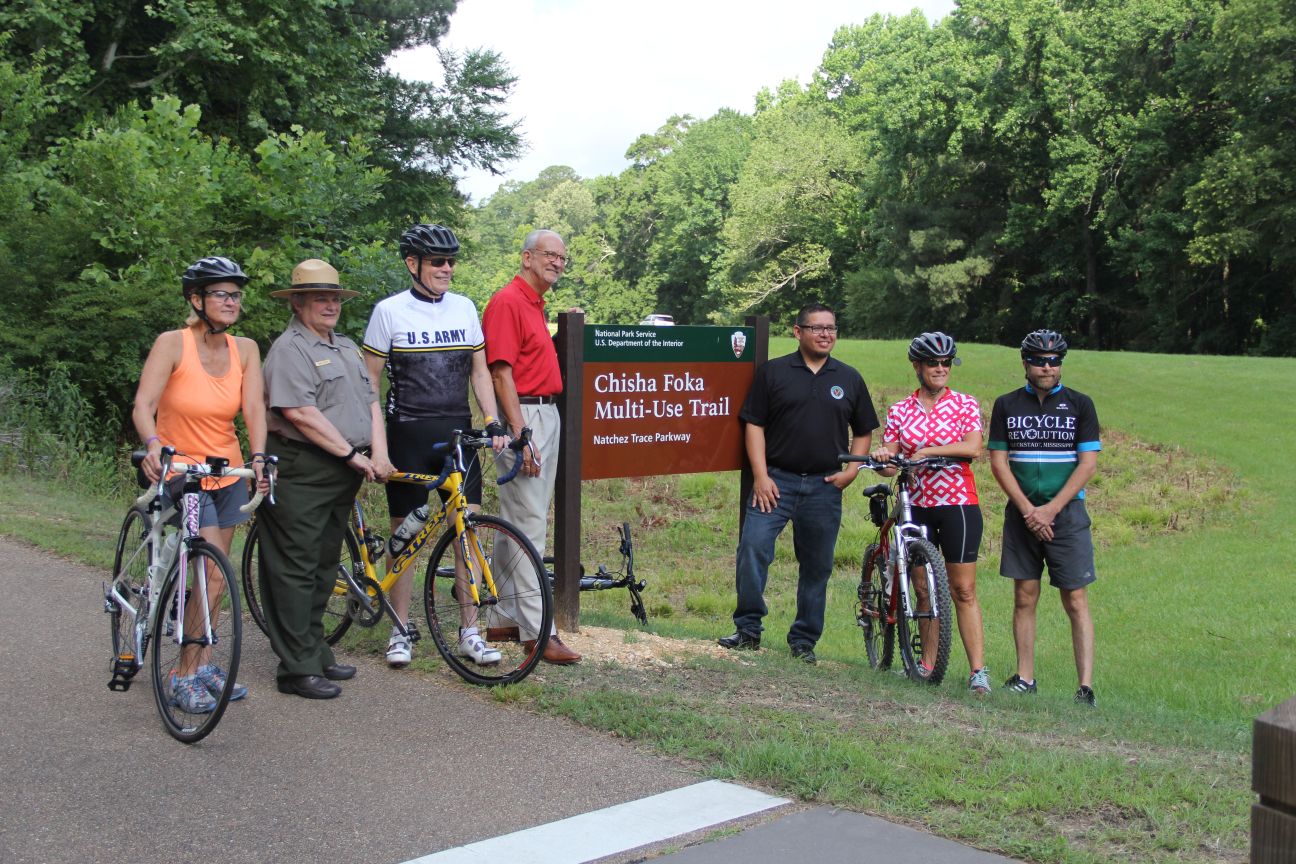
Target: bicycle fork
x,y
176,624
906,606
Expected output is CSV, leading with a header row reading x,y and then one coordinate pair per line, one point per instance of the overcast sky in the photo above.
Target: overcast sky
x,y
593,75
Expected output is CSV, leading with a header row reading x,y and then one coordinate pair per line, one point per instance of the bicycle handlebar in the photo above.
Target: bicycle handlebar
x,y
469,438
202,469
902,463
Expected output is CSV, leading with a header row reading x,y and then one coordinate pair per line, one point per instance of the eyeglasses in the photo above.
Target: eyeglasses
x,y
327,299
933,362
1041,362
552,257
440,261
226,296
819,329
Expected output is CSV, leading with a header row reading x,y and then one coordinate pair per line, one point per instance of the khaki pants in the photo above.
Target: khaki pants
x,y
524,501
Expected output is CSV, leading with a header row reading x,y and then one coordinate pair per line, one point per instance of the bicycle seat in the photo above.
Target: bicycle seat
x,y
879,489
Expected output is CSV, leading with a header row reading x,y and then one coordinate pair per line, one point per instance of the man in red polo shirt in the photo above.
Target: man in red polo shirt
x,y
524,367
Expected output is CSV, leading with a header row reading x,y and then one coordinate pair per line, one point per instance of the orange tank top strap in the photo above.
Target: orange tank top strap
x,y
196,412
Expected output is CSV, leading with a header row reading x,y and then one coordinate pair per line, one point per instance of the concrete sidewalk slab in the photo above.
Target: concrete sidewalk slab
x,y
826,835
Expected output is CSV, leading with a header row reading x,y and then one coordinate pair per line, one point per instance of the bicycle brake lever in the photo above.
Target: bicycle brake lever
x,y
272,470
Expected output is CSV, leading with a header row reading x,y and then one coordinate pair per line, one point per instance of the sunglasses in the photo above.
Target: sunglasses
x,y
1041,362
440,261
933,362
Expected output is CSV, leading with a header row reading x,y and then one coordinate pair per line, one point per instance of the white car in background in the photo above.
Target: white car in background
x,y
658,320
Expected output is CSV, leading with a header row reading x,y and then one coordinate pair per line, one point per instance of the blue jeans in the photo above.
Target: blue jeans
x,y
814,509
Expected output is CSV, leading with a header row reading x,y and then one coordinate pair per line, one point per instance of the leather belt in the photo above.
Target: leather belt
x,y
538,400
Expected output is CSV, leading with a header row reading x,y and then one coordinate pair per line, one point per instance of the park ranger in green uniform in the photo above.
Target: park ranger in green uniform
x,y
327,429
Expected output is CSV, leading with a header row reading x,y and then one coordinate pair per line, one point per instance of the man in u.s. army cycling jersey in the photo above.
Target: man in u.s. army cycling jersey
x,y
1043,450
430,341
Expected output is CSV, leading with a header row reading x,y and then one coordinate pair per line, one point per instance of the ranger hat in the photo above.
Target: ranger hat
x,y
314,275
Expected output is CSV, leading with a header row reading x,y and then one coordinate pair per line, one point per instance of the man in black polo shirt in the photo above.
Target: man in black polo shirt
x,y
797,415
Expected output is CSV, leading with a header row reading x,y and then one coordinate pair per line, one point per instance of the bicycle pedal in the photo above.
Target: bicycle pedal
x,y
123,673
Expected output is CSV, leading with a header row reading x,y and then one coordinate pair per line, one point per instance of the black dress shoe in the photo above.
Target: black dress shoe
x,y
740,641
339,672
804,653
309,687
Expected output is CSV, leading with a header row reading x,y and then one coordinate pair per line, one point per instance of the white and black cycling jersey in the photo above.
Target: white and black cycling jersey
x,y
428,345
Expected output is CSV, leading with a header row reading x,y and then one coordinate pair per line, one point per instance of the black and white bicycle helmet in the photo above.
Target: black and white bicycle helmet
x,y
210,270
421,240
929,346
1044,342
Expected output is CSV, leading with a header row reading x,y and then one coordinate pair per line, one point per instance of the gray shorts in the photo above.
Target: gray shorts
x,y
1069,555
219,507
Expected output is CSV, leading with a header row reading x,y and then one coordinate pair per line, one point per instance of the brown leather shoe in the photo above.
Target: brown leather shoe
x,y
555,651
501,634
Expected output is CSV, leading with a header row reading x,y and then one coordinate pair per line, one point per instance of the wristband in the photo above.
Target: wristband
x,y
149,440
348,457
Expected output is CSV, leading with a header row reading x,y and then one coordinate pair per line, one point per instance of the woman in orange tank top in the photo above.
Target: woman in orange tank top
x,y
195,380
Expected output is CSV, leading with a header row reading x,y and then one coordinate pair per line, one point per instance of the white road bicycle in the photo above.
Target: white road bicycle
x,y
172,590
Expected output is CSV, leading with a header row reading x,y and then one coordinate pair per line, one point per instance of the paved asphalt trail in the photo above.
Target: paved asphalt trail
x,y
89,775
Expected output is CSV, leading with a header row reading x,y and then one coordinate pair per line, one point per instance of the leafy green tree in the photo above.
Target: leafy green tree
x,y
692,188
793,216
260,67
1244,203
92,267
927,215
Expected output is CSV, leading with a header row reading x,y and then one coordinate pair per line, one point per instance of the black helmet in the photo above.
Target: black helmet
x,y
422,240
1044,342
210,270
931,345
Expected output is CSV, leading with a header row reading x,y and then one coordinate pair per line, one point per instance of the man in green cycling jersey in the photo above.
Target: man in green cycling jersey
x,y
1043,450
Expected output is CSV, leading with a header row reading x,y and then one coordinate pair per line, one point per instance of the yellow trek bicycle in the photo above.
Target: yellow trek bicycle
x,y
482,572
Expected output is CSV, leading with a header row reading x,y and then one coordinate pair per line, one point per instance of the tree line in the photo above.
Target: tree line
x,y
136,138
1120,171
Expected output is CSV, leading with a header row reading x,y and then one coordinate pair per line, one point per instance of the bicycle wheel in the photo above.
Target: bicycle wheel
x,y
182,607
522,592
870,611
128,588
923,554
336,619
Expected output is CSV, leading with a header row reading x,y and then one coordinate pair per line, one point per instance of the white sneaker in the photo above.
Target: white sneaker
x,y
398,651
472,647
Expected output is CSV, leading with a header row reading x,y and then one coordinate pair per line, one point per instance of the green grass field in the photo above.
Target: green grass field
x,y
1193,616
1196,630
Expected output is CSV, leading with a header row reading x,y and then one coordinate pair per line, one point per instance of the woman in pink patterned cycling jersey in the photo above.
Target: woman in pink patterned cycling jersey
x,y
937,421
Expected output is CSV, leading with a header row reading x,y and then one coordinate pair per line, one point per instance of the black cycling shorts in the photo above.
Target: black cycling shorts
x,y
409,446
955,529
